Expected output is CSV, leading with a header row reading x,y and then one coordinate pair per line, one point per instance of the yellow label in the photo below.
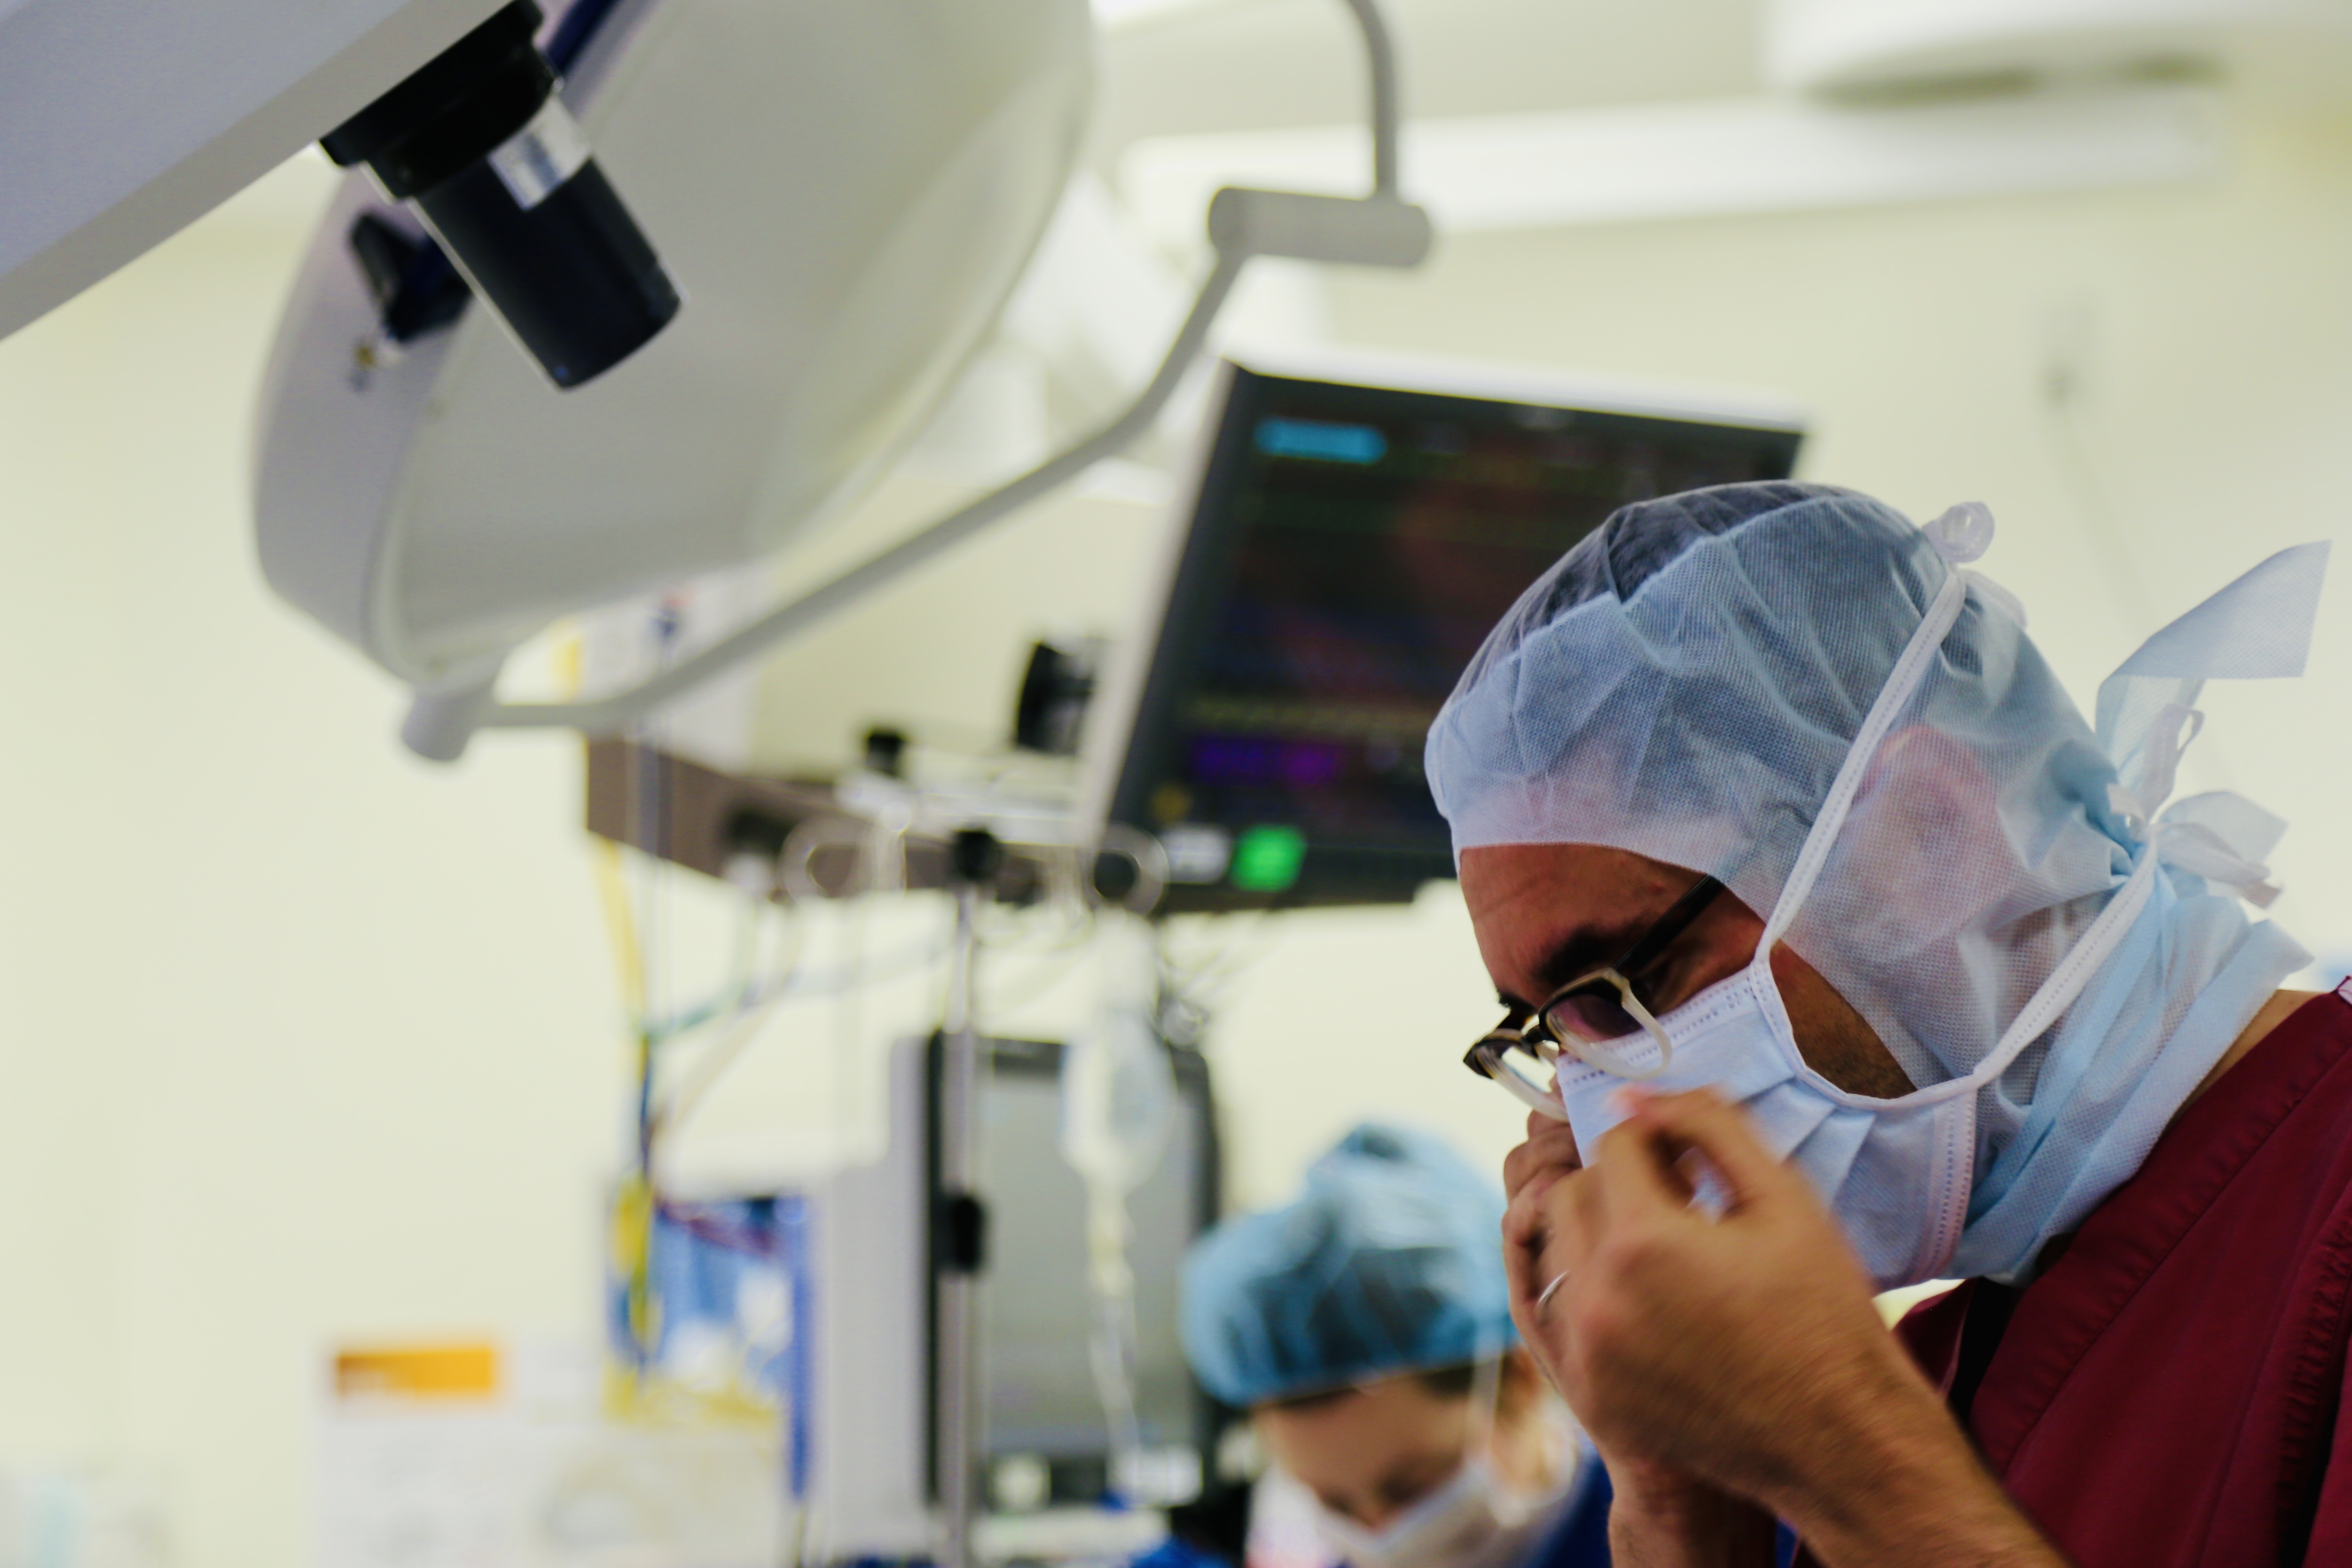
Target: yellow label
x,y
418,1372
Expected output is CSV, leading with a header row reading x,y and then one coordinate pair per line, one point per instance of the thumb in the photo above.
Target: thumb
x,y
1701,1119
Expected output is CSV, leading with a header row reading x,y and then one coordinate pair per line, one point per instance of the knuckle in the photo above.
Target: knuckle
x,y
1531,1212
1637,1253
1533,1197
1598,1322
1561,1149
1605,1148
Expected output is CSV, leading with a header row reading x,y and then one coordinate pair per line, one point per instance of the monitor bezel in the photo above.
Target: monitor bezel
x,y
1126,729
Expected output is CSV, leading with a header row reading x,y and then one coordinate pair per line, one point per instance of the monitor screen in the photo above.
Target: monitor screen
x,y
1348,549
1037,1312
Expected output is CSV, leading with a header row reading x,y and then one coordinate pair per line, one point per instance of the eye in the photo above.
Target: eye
x,y
1404,1491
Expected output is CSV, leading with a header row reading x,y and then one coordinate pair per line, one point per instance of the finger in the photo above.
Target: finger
x,y
1520,1263
1635,1172
1555,1141
1549,1137
1544,1233
1528,1218
1702,1120
1528,1281
1589,1201
1533,1213
1534,1167
1523,1222
1523,1271
1550,1148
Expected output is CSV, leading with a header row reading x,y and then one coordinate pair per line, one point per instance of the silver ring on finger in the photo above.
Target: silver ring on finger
x,y
1549,1290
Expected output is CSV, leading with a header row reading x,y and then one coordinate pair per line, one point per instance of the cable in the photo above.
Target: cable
x,y
636,1210
785,983
743,991
1072,921
852,976
754,1008
753,905
799,986
620,929
1189,994
1245,943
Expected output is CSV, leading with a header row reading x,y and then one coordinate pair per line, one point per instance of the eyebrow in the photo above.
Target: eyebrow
x,y
1579,952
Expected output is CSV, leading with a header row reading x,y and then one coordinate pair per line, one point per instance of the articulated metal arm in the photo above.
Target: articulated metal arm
x,y
1379,230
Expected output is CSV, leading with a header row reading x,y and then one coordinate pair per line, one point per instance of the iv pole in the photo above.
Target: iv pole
x,y
960,1228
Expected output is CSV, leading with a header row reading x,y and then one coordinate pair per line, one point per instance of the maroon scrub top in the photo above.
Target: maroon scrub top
x,y
2167,1392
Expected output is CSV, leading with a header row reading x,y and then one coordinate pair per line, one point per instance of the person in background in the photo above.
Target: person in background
x,y
1366,1329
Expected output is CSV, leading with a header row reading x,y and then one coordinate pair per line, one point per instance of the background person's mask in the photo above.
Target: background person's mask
x,y
1475,1520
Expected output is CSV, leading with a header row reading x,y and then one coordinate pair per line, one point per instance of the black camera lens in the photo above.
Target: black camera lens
x,y
500,172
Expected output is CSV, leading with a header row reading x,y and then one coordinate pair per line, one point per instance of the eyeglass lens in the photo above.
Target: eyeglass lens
x,y
1594,1014
1595,1011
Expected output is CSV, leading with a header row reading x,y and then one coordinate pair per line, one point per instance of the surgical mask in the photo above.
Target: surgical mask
x,y
1898,1172
1475,1520
1679,688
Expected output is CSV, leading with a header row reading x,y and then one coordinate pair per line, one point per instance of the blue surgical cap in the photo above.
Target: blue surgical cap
x,y
1698,676
1390,1261
1685,684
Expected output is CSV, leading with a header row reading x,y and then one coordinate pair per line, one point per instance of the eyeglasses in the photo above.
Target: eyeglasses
x,y
1588,1014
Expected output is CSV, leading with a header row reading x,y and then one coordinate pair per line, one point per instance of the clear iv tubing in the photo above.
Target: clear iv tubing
x,y
1113,1353
1118,1095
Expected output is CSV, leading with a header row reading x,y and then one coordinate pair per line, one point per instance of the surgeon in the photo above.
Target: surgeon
x,y
1366,1328
1860,960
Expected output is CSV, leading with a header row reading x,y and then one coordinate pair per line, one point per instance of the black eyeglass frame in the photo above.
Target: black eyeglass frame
x,y
1535,1033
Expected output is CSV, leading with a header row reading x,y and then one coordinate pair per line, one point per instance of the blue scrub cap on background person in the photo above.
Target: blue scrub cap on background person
x,y
1686,684
1389,1261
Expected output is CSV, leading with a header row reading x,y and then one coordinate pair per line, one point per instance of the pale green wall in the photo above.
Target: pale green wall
x,y
2213,330
312,1040
305,1039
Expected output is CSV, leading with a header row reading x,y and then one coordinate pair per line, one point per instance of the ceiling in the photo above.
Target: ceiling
x,y
1239,65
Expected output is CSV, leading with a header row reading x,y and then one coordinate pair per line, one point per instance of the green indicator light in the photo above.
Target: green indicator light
x,y
1266,860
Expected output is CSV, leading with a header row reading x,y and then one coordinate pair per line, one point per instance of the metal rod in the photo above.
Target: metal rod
x,y
608,715
959,1436
1381,57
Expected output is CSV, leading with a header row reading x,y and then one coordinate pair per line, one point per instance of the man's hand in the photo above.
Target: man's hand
x,y
1741,1351
1662,1518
